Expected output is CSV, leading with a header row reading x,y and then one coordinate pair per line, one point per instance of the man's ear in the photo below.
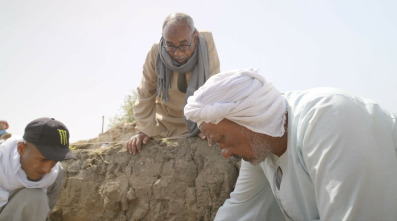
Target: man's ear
x,y
21,148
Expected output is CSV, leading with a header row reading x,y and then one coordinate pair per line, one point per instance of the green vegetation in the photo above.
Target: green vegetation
x,y
168,142
126,114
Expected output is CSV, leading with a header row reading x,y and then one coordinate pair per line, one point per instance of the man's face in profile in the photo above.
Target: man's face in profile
x,y
33,162
234,139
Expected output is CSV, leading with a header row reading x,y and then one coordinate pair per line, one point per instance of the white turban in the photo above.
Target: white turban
x,y
242,96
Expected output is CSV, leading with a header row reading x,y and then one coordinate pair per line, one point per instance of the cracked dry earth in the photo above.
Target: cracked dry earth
x,y
181,179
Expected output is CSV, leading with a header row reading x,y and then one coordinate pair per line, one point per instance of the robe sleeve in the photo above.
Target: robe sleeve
x,y
252,199
145,104
348,152
212,53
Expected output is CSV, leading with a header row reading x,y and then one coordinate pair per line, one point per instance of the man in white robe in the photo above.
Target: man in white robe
x,y
319,154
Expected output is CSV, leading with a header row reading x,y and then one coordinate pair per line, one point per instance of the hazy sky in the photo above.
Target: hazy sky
x,y
76,60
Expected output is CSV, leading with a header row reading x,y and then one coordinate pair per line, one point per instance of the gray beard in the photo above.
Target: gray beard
x,y
260,147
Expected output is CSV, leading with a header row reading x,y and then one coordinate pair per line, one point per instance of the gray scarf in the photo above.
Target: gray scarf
x,y
198,62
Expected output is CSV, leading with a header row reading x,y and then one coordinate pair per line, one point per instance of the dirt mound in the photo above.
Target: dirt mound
x,y
181,179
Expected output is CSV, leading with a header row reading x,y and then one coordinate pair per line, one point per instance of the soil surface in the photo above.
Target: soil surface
x,y
180,179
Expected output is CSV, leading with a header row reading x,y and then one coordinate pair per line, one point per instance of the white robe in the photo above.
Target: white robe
x,y
340,164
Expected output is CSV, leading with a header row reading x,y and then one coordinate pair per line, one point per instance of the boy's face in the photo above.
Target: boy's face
x,y
33,162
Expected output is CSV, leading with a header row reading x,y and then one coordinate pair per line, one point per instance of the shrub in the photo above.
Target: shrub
x,y
126,114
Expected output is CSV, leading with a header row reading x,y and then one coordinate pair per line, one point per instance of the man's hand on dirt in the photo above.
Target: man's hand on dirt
x,y
134,144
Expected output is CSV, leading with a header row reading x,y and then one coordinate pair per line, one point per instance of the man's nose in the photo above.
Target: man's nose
x,y
177,52
226,153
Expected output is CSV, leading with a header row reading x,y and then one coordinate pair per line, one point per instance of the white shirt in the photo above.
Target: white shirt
x,y
340,164
13,177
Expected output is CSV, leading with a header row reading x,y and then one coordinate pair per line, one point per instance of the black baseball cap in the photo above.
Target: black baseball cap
x,y
50,137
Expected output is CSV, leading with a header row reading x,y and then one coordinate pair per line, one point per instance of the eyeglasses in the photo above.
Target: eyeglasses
x,y
181,48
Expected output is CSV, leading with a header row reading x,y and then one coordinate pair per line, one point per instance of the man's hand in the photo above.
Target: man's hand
x,y
201,135
134,144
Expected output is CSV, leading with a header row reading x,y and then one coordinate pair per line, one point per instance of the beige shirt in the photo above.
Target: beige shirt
x,y
155,117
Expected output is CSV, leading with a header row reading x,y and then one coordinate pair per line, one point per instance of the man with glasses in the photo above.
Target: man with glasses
x,y
174,68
